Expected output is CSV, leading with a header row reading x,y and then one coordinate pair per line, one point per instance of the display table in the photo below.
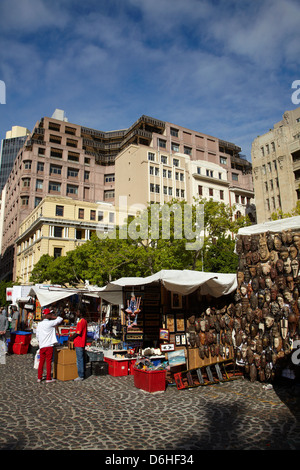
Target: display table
x,y
150,381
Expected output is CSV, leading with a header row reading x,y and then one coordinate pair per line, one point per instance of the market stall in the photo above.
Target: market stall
x,y
267,300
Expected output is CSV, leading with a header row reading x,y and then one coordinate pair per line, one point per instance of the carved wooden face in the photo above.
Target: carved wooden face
x,y
293,252
277,242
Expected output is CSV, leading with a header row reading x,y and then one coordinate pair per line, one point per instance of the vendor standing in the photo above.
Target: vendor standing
x,y
79,338
46,336
3,329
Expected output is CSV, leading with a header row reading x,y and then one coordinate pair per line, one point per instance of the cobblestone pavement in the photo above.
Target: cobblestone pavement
x,y
110,413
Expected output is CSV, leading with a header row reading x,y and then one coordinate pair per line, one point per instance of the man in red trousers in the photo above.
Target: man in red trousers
x,y
46,336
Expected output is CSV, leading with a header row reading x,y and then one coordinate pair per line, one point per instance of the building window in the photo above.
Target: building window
x,y
53,126
170,191
55,170
165,190
72,189
268,204
100,216
92,215
57,252
237,198
182,193
37,200
86,175
177,192
262,151
223,160
111,217
109,194
59,211
56,139
221,194
200,190
242,199
39,185
169,174
26,182
187,151
78,234
156,170
72,143
198,170
151,156
73,157
181,176
174,132
27,165
109,178
40,167
176,175
162,143
273,146
80,213
73,173
164,173
152,188
57,232
211,192
151,170
164,159
174,147
41,152
53,186
235,177
56,153
24,200
175,162
210,173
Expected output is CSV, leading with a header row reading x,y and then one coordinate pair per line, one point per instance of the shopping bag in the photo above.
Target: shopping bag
x,y
36,359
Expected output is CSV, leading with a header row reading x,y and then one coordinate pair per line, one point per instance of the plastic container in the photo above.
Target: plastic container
x,y
99,368
117,367
23,337
95,355
150,381
18,348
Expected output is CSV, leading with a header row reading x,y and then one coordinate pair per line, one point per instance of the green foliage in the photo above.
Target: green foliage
x,y
279,214
147,251
3,286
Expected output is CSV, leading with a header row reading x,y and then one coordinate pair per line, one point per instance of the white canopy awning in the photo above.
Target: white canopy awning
x,y
273,226
182,282
47,295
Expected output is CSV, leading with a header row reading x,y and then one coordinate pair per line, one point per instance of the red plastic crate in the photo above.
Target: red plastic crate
x,y
131,364
18,348
117,368
20,337
150,381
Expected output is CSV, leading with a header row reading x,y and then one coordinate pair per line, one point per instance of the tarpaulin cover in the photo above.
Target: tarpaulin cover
x,y
273,226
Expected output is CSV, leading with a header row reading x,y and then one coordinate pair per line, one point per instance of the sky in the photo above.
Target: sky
x,y
220,67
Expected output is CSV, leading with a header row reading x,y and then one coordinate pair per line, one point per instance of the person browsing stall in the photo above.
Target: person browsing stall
x,y
46,336
79,338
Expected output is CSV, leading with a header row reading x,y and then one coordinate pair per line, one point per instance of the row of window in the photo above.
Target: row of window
x,y
155,188
59,211
166,173
271,184
271,204
163,159
269,167
265,150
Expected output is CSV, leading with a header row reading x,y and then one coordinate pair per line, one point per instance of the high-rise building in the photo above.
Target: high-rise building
x,y
10,146
69,160
276,167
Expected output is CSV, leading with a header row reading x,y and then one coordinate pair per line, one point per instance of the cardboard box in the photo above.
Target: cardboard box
x,y
65,372
64,356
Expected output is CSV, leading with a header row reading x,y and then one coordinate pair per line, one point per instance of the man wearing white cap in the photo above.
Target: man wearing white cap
x,y
46,336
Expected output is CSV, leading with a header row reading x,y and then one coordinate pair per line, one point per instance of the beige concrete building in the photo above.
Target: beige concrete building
x,y
276,167
148,162
58,225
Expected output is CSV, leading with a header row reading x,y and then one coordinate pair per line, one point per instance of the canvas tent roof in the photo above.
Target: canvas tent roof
x,y
180,281
272,226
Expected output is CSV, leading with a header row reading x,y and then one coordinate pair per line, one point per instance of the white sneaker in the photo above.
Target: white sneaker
x,y
78,379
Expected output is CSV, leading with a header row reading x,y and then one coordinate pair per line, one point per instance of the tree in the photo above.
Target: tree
x,y
155,239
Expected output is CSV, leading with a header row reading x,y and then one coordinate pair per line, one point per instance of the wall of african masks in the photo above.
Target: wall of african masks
x,y
267,303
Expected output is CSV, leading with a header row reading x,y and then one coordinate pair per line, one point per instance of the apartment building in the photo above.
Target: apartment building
x,y
276,167
148,162
57,225
10,146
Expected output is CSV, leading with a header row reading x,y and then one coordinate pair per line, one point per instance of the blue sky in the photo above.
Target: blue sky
x,y
222,67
